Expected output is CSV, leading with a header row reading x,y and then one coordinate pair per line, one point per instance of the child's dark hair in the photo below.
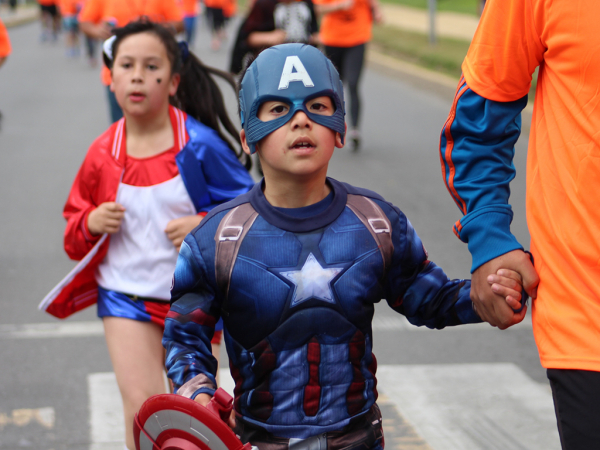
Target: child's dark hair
x,y
198,93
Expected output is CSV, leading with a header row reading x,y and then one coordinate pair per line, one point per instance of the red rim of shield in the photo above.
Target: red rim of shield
x,y
170,436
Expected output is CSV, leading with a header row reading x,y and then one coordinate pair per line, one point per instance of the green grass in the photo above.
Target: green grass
x,y
446,56
461,6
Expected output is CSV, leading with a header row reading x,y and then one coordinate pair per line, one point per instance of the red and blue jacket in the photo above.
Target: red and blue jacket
x,y
210,171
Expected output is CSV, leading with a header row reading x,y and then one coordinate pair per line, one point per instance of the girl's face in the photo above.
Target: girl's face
x,y
141,75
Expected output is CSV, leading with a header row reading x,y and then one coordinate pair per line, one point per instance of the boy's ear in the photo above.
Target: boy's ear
x,y
338,137
245,145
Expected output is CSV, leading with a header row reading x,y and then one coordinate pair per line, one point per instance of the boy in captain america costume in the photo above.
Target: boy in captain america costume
x,y
295,267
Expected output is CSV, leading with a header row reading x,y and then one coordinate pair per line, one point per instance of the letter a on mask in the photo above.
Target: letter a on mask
x,y
288,75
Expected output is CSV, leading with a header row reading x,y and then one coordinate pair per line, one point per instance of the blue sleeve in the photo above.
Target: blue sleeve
x,y
190,323
419,289
210,169
477,147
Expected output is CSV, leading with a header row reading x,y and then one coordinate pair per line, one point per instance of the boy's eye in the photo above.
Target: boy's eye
x,y
322,106
126,65
152,66
279,109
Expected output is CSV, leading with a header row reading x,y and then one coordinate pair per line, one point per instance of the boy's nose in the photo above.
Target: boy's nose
x,y
301,120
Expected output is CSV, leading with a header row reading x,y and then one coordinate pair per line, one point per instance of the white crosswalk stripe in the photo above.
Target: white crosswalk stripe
x,y
381,322
472,406
452,406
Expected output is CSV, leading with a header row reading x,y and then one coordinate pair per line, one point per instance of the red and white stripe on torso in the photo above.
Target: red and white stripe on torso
x,y
141,259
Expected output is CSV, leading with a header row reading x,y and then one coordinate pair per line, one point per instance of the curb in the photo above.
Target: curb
x,y
444,84
397,65
22,17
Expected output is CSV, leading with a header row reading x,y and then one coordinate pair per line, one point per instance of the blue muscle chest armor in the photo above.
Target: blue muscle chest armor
x,y
294,74
301,301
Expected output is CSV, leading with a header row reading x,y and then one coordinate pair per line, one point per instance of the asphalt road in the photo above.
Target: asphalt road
x,y
53,109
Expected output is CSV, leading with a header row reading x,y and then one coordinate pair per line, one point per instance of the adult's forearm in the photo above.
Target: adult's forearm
x,y
476,151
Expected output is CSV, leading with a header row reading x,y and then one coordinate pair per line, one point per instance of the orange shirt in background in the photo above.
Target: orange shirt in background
x,y
346,28
5,47
563,167
218,4
190,8
230,8
120,12
69,7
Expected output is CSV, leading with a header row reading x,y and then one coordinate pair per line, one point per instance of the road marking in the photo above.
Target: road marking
x,y
393,322
21,417
51,330
398,322
107,426
472,406
425,407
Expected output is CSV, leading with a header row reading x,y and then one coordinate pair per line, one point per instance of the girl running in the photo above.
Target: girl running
x,y
143,186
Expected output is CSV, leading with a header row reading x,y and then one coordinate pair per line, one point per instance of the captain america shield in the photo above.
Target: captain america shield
x,y
173,422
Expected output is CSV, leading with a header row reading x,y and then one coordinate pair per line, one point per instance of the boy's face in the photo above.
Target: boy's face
x,y
300,147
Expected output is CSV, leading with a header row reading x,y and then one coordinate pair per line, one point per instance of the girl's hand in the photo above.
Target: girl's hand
x,y
106,218
508,284
178,229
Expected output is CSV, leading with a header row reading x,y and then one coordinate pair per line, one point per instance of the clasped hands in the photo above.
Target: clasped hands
x,y
496,288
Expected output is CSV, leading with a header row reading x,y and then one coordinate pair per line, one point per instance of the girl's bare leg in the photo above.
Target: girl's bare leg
x,y
137,356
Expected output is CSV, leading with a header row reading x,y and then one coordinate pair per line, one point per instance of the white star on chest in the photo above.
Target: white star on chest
x,y
312,281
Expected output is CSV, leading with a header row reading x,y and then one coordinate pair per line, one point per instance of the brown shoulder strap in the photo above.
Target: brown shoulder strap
x,y
228,238
378,224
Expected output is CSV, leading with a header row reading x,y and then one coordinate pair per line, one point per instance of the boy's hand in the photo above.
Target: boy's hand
x,y
204,400
508,284
106,218
178,229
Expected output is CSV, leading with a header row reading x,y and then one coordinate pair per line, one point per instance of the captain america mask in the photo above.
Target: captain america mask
x,y
292,74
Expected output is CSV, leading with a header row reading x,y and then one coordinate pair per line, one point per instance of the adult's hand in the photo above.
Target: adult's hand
x,y
492,307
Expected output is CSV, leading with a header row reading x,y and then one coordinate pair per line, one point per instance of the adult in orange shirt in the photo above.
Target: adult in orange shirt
x,y
68,11
216,21
98,18
230,9
190,9
563,180
345,31
50,19
5,47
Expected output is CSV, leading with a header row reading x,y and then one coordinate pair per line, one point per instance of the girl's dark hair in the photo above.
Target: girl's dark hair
x,y
198,93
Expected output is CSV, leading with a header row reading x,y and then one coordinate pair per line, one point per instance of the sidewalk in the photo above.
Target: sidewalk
x,y
23,14
448,24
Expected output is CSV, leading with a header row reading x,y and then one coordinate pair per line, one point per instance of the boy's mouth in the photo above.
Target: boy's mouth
x,y
302,143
